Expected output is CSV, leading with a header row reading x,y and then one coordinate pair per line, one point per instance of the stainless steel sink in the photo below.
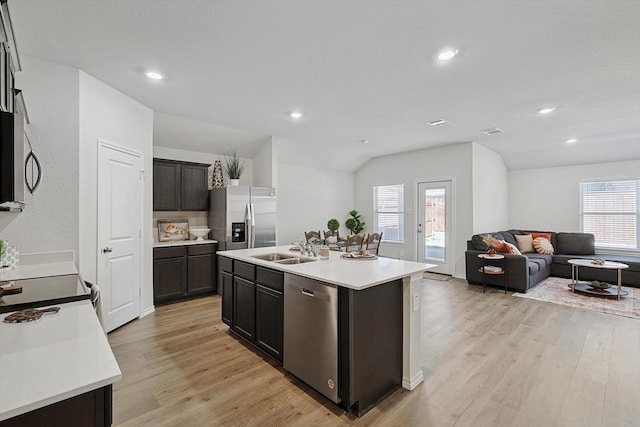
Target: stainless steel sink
x,y
295,260
273,257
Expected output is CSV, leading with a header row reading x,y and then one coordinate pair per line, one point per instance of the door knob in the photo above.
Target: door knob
x,y
106,250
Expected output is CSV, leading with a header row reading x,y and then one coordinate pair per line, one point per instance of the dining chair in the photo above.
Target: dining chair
x,y
354,242
372,243
313,236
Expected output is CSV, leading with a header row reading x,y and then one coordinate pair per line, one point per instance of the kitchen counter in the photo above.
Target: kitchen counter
x,y
60,357
182,243
353,274
360,275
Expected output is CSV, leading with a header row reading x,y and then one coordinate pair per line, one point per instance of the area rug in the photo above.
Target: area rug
x,y
436,276
557,291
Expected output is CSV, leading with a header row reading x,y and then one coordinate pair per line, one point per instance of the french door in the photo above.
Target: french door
x,y
435,225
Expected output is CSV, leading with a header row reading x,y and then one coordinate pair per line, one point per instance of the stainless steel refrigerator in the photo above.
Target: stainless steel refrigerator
x,y
242,217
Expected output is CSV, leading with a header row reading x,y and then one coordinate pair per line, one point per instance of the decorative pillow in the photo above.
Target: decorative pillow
x,y
543,246
525,243
513,248
536,235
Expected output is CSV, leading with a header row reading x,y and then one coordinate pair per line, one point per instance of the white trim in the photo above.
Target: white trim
x,y
147,311
411,383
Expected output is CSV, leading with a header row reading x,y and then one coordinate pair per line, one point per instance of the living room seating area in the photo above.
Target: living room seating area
x,y
526,268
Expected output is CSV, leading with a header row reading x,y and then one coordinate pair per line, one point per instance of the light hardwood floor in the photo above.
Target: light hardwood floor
x,y
489,360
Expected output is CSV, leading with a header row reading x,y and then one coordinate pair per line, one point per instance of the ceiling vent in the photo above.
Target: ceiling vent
x,y
438,122
492,131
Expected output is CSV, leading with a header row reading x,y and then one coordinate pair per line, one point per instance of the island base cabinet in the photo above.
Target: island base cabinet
x,y
91,409
370,343
244,308
269,320
226,286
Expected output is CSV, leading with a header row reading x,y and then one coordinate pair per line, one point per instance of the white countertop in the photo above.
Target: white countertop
x,y
353,274
182,243
56,357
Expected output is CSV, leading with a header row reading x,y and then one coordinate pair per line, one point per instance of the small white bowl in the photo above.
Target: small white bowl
x,y
200,233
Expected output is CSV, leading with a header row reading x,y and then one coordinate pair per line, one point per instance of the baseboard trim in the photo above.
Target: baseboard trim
x,y
147,311
414,382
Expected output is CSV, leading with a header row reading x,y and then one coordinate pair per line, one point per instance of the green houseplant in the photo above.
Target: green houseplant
x,y
354,224
234,167
333,225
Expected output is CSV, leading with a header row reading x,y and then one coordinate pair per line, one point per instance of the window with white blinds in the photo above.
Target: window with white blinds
x,y
609,210
388,212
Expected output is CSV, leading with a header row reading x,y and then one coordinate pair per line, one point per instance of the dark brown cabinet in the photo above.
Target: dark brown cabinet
x,y
253,304
269,326
180,186
244,307
226,285
180,272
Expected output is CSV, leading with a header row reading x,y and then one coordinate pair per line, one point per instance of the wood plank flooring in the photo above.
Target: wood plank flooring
x,y
489,360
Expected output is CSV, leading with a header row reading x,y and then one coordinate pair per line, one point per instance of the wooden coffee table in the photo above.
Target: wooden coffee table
x,y
586,288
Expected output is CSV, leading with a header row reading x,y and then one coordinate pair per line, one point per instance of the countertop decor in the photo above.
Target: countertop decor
x,y
173,229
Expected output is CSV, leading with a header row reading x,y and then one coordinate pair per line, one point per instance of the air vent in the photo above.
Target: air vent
x,y
438,122
492,131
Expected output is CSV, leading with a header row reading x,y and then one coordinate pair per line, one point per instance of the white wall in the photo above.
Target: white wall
x,y
308,198
265,165
111,116
490,191
451,162
198,157
50,222
549,199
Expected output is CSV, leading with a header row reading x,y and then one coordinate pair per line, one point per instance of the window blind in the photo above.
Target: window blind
x,y
388,212
610,212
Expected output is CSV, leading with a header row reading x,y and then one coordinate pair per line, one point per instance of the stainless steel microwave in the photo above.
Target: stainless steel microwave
x,y
12,161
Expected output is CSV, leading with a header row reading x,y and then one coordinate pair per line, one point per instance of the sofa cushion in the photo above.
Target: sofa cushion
x,y
509,237
534,267
543,245
575,243
542,259
525,243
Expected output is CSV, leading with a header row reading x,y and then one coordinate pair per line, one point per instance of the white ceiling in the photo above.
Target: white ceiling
x,y
362,69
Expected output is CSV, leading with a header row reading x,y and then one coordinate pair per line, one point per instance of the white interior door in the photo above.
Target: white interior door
x,y
120,187
435,225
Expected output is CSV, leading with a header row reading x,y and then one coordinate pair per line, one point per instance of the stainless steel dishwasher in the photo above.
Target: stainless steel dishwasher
x,y
311,333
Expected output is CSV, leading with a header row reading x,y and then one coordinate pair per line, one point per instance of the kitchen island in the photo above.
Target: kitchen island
x,y
378,315
57,370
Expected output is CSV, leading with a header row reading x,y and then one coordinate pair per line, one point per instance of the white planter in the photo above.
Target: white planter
x,y
332,239
234,182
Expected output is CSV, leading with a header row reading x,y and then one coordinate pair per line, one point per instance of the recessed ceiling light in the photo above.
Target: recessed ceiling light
x,y
296,114
492,131
447,54
546,110
571,140
438,122
364,141
153,75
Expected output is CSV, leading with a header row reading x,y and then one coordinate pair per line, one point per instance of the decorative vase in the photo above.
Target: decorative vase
x,y
217,179
234,182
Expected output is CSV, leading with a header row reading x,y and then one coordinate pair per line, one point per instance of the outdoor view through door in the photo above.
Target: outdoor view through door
x,y
434,224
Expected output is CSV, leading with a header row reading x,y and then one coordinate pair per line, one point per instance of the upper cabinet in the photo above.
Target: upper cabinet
x,y
180,186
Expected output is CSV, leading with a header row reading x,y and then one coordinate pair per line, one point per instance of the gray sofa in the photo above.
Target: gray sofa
x,y
525,271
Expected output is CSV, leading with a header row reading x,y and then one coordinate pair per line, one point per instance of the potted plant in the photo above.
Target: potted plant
x,y
333,225
354,224
234,167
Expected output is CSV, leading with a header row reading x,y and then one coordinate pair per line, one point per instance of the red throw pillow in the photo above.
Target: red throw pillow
x,y
536,235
